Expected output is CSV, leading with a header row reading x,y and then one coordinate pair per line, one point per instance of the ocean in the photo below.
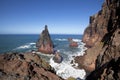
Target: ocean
x,y
27,42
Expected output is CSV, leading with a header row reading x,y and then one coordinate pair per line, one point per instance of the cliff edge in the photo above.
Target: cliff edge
x,y
26,66
102,37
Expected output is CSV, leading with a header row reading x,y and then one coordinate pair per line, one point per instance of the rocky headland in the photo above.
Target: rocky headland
x,y
25,66
102,38
44,43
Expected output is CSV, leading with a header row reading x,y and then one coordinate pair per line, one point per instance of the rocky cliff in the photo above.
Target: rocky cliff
x,y
27,66
102,37
108,60
44,43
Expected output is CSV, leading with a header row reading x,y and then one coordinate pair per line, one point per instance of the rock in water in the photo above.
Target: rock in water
x,y
44,43
58,58
72,43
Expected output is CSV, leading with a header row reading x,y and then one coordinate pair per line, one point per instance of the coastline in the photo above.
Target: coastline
x,y
25,66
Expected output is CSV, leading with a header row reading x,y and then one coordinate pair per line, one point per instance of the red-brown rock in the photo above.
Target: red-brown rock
x,y
27,66
72,43
102,36
44,43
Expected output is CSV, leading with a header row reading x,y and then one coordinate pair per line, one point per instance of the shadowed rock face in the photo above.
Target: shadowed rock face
x,y
108,71
44,43
102,37
27,66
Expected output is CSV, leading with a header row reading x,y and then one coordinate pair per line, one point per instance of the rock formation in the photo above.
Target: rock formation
x,y
72,43
27,66
44,43
57,58
102,37
108,71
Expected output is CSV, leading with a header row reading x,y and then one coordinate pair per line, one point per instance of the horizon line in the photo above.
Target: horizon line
x,y
39,34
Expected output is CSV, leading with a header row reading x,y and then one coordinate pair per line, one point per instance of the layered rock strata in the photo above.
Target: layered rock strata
x,y
27,66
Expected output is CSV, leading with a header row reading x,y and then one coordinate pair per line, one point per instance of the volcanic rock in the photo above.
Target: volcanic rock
x,y
58,58
30,67
72,43
102,38
108,71
44,43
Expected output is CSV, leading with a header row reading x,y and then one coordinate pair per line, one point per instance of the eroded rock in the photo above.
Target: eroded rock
x,y
31,67
102,37
44,43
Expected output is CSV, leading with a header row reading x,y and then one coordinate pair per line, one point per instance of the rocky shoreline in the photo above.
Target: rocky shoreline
x,y
101,59
102,37
25,66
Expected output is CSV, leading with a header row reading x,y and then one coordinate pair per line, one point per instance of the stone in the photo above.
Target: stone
x,y
29,67
44,43
102,37
72,43
58,58
108,71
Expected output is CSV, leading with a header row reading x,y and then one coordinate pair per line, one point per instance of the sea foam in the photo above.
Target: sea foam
x,y
26,46
58,39
66,69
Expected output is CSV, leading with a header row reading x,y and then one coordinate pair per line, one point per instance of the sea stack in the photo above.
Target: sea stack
x,y
72,43
44,43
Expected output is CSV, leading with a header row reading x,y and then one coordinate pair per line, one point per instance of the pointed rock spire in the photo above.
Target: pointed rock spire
x,y
44,43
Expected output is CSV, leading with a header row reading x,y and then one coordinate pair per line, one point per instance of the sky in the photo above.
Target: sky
x,y
61,16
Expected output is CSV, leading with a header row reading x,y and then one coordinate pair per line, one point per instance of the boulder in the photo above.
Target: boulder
x,y
72,43
44,43
58,58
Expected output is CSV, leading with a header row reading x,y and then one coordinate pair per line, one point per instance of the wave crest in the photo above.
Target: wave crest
x,y
26,46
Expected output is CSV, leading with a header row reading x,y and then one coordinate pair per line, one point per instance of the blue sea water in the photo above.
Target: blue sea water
x,y
27,42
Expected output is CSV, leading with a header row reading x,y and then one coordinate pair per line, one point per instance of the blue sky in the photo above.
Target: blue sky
x,y
61,16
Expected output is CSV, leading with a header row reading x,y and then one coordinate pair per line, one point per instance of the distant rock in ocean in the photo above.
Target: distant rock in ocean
x,y
44,43
72,43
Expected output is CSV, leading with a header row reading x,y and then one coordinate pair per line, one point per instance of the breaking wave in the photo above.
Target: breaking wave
x,y
26,46
66,69
61,39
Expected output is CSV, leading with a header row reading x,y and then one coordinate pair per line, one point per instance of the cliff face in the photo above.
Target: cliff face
x,y
27,66
102,37
108,61
44,43
97,27
111,40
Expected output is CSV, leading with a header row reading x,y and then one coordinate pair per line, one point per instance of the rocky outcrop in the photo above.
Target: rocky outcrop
x,y
108,71
57,57
27,66
102,37
72,43
108,61
44,43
